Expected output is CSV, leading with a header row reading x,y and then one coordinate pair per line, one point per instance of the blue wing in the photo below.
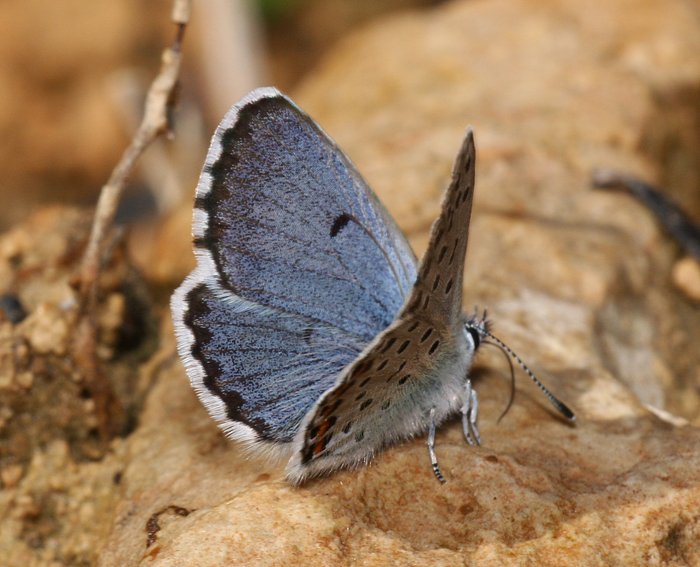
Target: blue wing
x,y
299,268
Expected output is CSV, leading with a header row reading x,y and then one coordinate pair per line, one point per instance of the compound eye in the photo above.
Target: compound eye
x,y
476,337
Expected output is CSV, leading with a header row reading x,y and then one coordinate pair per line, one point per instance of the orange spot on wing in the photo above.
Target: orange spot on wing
x,y
321,436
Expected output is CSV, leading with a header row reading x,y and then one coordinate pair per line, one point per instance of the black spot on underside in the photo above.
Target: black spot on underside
x,y
434,347
364,405
426,335
404,346
403,380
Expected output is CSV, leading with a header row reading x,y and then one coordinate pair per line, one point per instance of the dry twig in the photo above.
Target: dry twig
x,y
154,123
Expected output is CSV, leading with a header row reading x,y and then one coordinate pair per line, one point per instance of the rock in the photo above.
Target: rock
x,y
58,490
576,281
686,277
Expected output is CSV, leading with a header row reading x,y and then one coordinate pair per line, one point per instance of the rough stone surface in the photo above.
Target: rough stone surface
x,y
59,477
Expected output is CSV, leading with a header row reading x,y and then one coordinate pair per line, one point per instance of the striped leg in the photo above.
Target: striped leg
x,y
431,448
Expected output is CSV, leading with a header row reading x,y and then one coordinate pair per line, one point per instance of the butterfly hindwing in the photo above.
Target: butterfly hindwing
x,y
299,268
417,364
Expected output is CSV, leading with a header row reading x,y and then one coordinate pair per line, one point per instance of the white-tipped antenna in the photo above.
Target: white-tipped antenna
x,y
560,406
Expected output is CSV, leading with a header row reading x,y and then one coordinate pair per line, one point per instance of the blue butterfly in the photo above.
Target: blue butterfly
x,y
308,329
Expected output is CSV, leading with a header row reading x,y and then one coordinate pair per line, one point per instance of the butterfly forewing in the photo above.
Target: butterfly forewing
x,y
417,364
290,223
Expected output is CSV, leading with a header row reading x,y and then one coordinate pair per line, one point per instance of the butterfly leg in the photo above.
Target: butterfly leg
x,y
470,412
431,448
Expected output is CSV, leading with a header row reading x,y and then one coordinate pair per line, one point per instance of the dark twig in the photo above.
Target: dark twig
x,y
672,217
155,123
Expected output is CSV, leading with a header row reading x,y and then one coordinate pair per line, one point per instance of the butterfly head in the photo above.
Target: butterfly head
x,y
478,330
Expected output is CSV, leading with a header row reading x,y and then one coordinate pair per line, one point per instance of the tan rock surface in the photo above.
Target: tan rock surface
x,y
577,282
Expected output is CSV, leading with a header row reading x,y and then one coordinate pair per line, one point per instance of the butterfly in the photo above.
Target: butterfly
x,y
308,329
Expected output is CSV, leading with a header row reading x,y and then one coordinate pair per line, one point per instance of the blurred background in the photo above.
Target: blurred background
x,y
73,76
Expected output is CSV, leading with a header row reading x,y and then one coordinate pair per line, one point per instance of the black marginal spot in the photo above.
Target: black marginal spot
x,y
359,436
436,283
364,382
403,380
389,344
360,395
347,427
448,287
413,327
201,202
364,405
339,223
382,364
385,405
404,346
426,335
441,256
433,347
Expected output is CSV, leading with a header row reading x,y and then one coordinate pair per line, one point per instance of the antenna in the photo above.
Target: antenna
x,y
560,406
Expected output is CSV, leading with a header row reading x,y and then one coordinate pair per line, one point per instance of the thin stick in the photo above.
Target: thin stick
x,y
155,122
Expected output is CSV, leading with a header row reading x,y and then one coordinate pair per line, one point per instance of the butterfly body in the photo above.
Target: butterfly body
x,y
308,329
394,393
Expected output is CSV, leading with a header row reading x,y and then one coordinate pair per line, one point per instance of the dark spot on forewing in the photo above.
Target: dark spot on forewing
x,y
339,224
